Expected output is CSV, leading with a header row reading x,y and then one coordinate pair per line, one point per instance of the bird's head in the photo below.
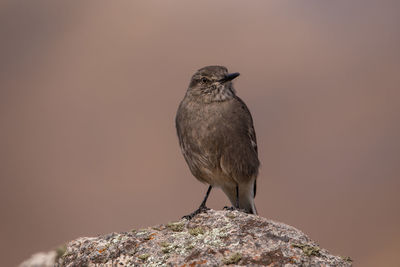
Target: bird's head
x,y
212,83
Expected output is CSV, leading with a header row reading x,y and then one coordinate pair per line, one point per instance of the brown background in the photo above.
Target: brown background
x,y
89,91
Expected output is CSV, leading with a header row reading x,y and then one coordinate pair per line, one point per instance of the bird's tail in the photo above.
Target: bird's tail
x,y
246,195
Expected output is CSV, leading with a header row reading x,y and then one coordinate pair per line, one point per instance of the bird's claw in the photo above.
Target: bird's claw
x,y
201,209
234,208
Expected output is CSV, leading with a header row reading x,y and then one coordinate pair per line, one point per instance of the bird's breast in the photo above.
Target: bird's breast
x,y
207,121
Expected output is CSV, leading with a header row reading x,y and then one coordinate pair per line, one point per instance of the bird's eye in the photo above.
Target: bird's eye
x,y
204,80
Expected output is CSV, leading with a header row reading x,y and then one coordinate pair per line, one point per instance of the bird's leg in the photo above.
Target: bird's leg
x,y
203,204
236,207
202,207
237,197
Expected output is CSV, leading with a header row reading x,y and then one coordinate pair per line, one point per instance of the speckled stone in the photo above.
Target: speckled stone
x,y
215,238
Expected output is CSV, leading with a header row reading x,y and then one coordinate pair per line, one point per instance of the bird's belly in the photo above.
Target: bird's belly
x,y
208,145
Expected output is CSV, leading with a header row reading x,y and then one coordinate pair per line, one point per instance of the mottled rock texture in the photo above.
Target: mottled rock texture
x,y
214,238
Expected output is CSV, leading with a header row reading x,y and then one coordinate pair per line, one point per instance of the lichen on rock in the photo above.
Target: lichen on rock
x,y
213,238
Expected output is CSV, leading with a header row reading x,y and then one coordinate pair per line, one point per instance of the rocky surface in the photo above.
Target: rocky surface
x,y
214,238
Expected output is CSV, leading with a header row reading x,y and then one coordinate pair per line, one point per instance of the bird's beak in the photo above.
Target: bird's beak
x,y
229,77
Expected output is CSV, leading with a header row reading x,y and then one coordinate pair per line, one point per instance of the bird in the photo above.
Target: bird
x,y
217,138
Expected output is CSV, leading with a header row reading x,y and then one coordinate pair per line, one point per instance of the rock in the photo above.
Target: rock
x,y
40,259
214,238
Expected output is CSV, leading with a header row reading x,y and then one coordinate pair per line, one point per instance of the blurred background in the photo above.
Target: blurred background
x,y
89,91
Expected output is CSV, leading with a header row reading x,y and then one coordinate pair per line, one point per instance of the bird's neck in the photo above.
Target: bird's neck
x,y
218,94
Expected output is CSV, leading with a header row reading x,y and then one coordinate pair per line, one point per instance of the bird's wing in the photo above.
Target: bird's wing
x,y
250,127
251,133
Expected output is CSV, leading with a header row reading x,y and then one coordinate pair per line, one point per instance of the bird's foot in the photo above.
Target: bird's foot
x,y
201,209
234,208
230,208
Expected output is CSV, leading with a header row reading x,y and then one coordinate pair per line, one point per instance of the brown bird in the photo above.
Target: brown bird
x,y
216,134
